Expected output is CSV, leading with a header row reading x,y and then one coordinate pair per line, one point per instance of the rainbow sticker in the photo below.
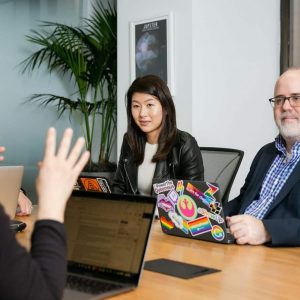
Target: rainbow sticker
x,y
185,227
166,224
207,198
199,226
212,190
218,233
180,187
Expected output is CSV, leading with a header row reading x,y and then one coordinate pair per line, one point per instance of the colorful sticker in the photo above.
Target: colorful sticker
x,y
176,219
217,233
187,208
207,197
185,227
180,187
90,184
163,187
179,222
173,196
199,226
103,185
164,203
215,217
166,224
211,190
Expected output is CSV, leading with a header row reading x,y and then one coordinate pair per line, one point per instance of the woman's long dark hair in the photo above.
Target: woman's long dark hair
x,y
155,86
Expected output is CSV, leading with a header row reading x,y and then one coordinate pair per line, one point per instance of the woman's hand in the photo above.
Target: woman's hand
x,y
24,205
58,173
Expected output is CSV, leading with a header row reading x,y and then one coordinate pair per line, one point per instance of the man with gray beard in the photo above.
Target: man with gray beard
x,y
267,211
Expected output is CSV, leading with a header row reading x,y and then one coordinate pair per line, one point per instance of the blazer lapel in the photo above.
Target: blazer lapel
x,y
161,170
131,173
291,181
257,178
165,168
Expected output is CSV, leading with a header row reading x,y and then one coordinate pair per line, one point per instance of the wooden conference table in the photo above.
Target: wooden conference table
x,y
247,272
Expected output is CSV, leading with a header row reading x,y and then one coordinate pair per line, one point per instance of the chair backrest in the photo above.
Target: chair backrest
x,y
221,166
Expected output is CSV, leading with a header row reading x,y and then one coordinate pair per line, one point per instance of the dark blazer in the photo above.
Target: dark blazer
x,y
183,162
282,220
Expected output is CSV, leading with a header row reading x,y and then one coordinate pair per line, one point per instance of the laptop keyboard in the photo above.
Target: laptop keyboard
x,y
90,286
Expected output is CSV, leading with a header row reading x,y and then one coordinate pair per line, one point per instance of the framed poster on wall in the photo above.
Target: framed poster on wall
x,y
151,48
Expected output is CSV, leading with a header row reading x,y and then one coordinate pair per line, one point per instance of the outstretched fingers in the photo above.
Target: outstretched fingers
x,y
81,162
50,143
72,157
75,151
65,143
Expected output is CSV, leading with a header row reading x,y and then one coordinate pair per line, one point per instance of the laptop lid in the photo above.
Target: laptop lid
x,y
10,184
191,209
107,235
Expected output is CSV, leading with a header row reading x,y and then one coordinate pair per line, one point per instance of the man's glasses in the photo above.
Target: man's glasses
x,y
280,100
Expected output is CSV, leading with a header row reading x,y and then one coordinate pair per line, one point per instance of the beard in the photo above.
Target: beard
x,y
290,131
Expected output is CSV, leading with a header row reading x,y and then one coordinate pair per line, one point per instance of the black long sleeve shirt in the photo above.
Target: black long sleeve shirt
x,y
39,274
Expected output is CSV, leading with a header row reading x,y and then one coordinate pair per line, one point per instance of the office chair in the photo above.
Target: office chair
x,y
221,166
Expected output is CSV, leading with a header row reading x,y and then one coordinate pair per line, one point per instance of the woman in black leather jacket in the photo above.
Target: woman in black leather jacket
x,y
153,147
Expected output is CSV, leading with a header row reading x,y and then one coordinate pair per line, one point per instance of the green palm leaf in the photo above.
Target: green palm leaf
x,y
88,57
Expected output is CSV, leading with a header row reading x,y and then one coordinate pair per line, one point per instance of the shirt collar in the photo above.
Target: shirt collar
x,y
280,145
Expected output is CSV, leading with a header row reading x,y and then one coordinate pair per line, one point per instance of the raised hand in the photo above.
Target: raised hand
x,y
58,173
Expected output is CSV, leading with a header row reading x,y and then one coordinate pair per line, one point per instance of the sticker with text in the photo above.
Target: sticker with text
x,y
163,187
207,197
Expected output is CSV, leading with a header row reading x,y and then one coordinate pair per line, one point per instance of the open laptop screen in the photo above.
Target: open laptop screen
x,y
107,233
10,183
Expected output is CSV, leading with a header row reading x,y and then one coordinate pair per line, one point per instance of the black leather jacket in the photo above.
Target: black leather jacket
x,y
183,162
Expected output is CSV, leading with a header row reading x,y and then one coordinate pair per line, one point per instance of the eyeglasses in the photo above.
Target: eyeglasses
x,y
280,100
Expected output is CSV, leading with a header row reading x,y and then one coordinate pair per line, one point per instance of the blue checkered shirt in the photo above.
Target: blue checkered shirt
x,y
279,172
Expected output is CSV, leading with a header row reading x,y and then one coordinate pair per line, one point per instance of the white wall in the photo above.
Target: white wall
x,y
182,13
235,65
226,61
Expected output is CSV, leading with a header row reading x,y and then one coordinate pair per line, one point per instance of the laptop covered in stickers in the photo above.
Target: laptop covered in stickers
x,y
191,209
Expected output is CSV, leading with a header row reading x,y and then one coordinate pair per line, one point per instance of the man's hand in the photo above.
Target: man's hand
x,y
58,173
247,229
24,205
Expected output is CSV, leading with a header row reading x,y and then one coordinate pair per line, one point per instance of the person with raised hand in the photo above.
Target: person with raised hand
x,y
41,273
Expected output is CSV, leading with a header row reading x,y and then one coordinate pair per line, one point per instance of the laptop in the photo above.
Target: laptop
x,y
107,236
191,209
10,184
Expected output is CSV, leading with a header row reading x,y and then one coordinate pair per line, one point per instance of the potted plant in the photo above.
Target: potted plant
x,y
88,56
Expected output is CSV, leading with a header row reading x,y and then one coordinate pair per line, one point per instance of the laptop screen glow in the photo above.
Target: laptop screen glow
x,y
107,235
